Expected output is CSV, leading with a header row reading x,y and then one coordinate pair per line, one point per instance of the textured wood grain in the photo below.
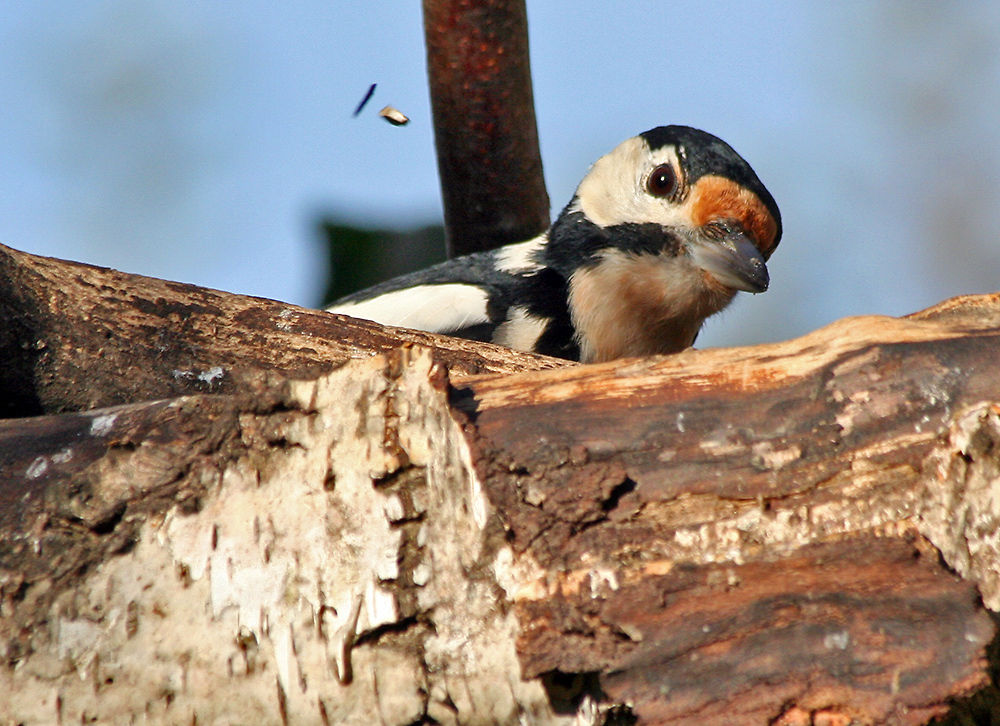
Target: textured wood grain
x,y
872,625
300,556
78,488
735,536
720,532
76,337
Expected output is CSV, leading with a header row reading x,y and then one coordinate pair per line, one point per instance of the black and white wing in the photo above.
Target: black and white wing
x,y
448,298
505,296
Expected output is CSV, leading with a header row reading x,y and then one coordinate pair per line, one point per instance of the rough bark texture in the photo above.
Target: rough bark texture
x,y
490,165
719,532
139,338
800,533
306,558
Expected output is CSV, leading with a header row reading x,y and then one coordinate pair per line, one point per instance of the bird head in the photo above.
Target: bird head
x,y
662,231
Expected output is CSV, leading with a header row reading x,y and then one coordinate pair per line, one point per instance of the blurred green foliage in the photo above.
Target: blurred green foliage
x,y
360,257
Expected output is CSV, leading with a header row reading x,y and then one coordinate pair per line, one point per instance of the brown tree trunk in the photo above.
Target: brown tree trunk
x,y
336,532
489,162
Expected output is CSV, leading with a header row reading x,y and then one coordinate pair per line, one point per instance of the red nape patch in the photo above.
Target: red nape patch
x,y
714,197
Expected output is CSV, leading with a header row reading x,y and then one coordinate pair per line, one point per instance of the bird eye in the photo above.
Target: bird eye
x,y
662,182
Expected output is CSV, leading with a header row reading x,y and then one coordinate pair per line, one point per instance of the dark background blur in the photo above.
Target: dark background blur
x,y
362,256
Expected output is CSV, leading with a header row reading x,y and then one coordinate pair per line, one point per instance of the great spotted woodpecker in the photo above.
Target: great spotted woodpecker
x,y
661,233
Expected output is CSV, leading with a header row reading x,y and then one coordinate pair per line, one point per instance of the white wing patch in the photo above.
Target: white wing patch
x,y
521,330
433,308
519,257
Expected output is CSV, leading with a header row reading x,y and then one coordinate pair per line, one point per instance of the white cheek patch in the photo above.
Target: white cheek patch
x,y
521,330
520,257
613,191
433,308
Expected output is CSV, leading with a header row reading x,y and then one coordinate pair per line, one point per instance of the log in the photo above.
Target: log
x,y
798,533
298,556
76,337
765,521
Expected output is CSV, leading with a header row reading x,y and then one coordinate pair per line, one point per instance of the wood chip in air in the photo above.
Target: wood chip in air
x,y
394,116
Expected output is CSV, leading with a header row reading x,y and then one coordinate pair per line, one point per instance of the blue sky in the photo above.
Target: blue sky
x,y
201,141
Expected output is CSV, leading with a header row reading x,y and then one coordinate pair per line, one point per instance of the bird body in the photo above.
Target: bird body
x,y
661,233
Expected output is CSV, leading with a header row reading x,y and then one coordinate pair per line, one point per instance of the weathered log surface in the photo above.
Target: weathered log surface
x,y
734,536
756,521
76,337
78,488
301,556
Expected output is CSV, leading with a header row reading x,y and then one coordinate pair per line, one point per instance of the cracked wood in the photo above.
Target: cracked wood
x,y
754,521
732,537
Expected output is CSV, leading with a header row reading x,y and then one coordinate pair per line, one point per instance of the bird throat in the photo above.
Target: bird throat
x,y
636,305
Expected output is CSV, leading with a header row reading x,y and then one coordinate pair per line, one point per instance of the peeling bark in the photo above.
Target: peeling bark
x,y
800,533
284,571
763,521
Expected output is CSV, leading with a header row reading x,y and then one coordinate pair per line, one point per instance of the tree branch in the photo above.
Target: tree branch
x,y
484,123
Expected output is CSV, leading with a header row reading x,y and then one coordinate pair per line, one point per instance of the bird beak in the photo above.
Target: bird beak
x,y
732,260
